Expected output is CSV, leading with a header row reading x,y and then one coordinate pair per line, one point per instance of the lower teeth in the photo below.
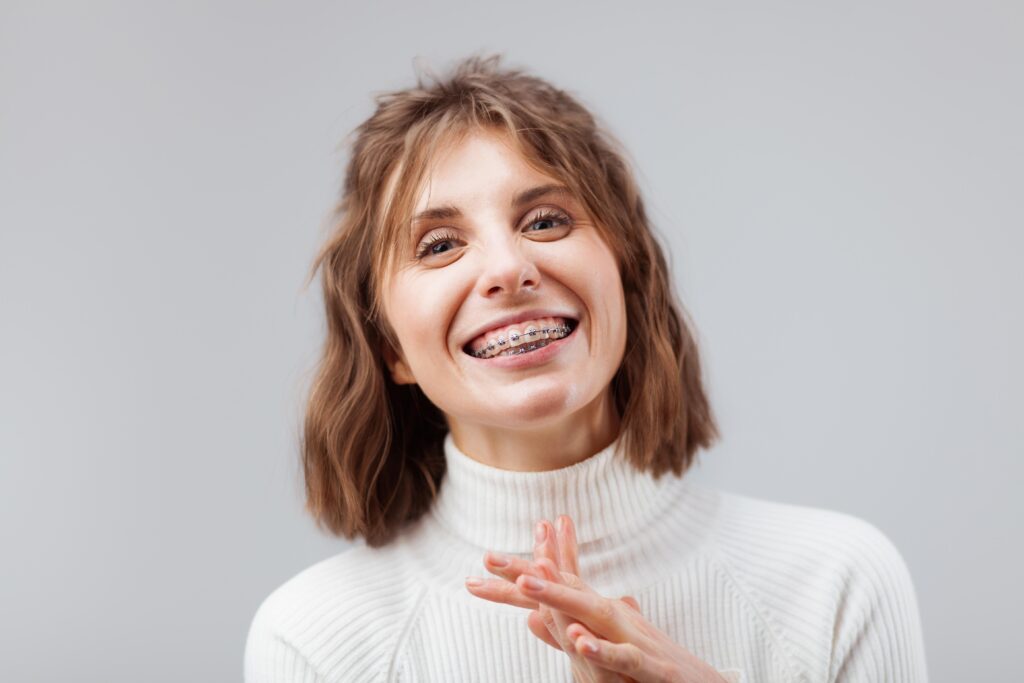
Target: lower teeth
x,y
525,348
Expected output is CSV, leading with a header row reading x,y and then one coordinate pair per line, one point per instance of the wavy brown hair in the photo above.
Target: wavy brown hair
x,y
372,450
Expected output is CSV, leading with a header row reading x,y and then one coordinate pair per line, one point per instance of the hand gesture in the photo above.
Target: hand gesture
x,y
606,639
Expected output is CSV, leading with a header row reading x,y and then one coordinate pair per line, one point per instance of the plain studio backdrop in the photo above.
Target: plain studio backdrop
x,y
839,185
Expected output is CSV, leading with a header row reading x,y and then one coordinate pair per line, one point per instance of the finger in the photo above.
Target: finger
x,y
557,622
626,659
600,613
549,618
506,566
545,545
567,549
579,634
631,601
546,554
509,567
560,625
576,630
499,590
573,581
567,578
539,629
544,549
562,621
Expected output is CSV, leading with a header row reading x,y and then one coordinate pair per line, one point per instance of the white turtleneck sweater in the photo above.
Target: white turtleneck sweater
x,y
761,591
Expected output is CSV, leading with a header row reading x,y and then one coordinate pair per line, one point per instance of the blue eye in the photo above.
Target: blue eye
x,y
428,247
557,218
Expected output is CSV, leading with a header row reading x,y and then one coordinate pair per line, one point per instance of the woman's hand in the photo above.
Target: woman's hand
x,y
571,616
548,624
552,554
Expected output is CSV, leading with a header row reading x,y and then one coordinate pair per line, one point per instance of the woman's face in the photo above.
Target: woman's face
x,y
492,254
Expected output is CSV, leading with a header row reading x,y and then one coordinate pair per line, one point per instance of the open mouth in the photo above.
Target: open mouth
x,y
520,339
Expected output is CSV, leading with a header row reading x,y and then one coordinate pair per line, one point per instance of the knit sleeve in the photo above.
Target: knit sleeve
x,y
877,634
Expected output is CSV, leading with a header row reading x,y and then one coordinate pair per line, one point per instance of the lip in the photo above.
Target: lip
x,y
518,318
533,358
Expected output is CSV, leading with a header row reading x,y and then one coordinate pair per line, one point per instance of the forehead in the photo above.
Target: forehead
x,y
476,165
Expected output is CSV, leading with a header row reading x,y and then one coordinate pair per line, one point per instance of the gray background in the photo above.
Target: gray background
x,y
840,187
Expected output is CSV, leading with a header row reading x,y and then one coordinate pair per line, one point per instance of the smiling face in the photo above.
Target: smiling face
x,y
496,245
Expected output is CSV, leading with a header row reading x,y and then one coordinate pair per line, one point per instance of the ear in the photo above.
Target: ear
x,y
400,372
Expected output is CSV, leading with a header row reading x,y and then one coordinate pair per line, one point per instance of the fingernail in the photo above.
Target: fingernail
x,y
561,524
589,645
540,533
497,560
474,582
533,583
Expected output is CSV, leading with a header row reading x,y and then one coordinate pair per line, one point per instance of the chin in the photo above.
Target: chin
x,y
540,409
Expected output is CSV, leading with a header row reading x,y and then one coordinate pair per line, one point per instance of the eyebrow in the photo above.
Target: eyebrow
x,y
524,197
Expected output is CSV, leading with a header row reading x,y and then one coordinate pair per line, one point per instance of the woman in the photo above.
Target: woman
x,y
508,380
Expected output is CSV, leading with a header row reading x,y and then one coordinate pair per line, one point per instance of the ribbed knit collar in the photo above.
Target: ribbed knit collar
x,y
497,509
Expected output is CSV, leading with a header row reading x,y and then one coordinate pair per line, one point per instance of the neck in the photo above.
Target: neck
x,y
540,448
610,502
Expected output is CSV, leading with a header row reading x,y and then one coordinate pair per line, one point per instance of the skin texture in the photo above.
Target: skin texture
x,y
502,260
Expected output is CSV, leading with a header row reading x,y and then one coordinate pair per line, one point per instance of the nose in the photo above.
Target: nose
x,y
507,270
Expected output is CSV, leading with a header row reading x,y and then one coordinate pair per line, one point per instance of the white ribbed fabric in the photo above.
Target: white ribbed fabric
x,y
762,591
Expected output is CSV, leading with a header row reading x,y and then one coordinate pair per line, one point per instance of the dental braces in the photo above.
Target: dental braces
x,y
522,348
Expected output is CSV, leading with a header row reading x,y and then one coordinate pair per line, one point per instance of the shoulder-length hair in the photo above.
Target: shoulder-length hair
x,y
372,450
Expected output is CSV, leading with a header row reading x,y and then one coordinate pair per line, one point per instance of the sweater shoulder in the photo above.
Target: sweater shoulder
x,y
339,618
817,577
753,525
776,541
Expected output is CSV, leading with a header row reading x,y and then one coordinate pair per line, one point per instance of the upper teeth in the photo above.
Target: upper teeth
x,y
495,341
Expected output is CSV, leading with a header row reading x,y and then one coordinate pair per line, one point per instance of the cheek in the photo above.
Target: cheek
x,y
603,280
421,312
401,311
604,286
